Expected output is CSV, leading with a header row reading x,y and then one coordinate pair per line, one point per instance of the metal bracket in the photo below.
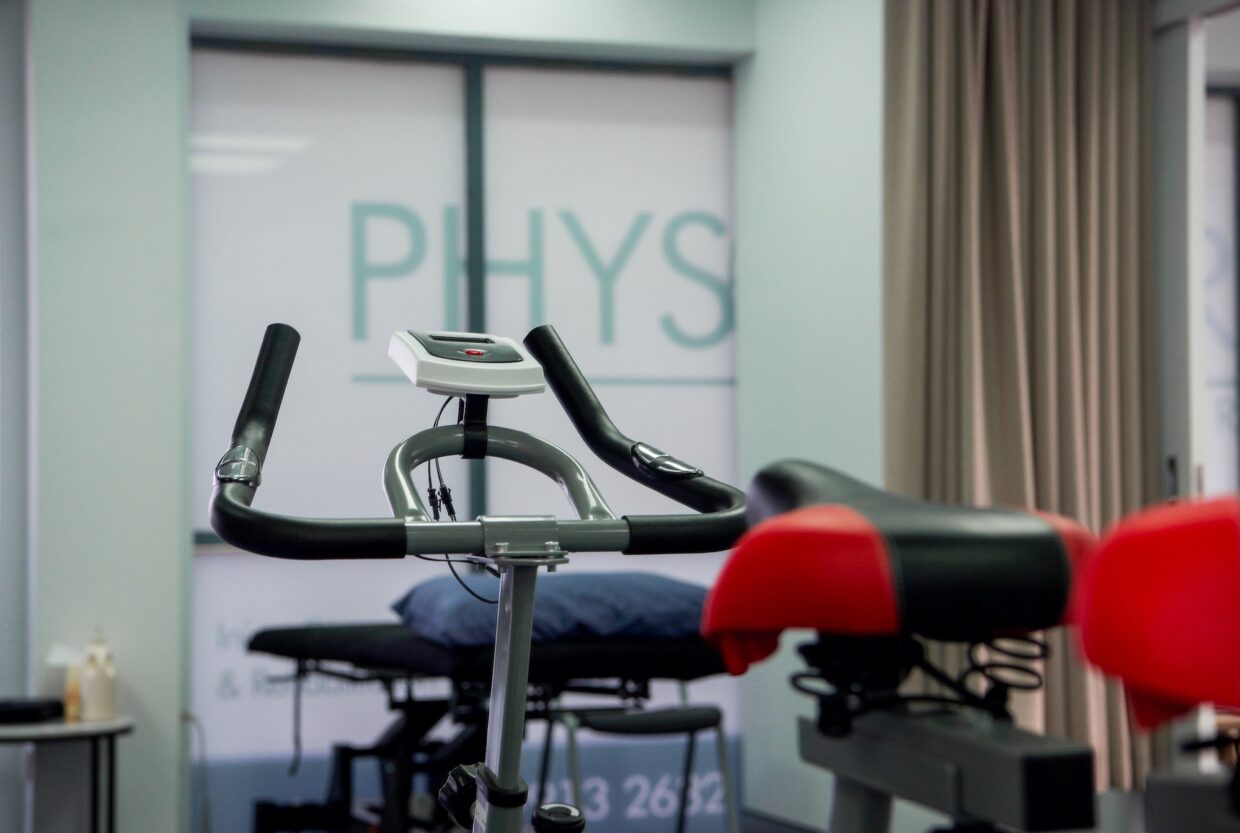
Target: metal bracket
x,y
473,415
239,465
662,465
521,540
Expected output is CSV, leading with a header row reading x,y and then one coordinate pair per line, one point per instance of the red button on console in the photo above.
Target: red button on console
x,y
475,352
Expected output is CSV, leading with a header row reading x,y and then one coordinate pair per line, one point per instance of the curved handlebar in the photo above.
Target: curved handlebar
x,y
301,538
723,507
238,475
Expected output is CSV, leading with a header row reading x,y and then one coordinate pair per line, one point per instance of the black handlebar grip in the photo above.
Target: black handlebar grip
x,y
577,398
724,506
653,534
280,535
257,418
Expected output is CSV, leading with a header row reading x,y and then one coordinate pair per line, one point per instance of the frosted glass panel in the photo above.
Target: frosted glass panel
x,y
609,209
609,215
327,194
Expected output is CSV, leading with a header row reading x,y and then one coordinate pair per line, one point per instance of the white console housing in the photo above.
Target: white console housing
x,y
458,364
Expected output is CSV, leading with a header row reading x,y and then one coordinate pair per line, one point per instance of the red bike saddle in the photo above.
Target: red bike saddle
x,y
1159,607
835,555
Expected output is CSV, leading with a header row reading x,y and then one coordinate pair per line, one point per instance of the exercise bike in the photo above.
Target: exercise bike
x,y
877,575
489,796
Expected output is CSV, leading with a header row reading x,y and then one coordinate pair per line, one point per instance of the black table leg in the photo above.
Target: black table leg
x,y
111,741
682,812
544,765
94,785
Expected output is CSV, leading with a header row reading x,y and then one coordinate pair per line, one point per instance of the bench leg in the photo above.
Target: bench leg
x,y
574,761
395,779
682,812
544,765
731,823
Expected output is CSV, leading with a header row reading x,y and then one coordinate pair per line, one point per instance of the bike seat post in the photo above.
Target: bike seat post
x,y
857,808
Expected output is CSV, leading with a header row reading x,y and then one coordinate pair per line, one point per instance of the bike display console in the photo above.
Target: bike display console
x,y
460,364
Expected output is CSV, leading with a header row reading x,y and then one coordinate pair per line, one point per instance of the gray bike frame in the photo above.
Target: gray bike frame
x,y
517,547
963,763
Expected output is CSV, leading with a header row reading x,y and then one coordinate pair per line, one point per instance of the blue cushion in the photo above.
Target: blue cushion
x,y
568,607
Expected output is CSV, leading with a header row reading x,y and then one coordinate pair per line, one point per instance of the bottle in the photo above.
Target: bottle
x,y
73,693
98,681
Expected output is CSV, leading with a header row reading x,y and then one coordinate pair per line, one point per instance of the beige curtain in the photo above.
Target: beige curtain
x,y
1018,364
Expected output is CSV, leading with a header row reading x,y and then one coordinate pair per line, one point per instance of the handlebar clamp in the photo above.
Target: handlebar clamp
x,y
239,465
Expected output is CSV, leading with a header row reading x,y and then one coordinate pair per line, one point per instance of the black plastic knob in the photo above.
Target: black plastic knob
x,y
558,818
458,794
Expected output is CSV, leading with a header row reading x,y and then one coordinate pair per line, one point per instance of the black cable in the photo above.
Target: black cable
x,y
434,559
438,470
1008,673
295,764
444,498
469,589
442,408
436,498
445,494
464,586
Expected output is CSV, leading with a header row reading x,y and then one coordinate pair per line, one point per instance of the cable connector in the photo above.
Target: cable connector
x,y
435,502
445,495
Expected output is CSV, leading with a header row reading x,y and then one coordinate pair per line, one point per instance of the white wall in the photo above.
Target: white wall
x,y
111,533
12,395
809,306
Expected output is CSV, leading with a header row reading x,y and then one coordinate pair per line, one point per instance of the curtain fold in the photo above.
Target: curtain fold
x,y
1017,289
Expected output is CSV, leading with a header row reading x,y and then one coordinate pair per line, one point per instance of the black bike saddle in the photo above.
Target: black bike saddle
x,y
839,556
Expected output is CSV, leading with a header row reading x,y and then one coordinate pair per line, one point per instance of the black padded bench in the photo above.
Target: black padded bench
x,y
394,656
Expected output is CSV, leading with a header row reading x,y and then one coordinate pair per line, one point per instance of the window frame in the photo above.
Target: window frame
x,y
474,66
1231,93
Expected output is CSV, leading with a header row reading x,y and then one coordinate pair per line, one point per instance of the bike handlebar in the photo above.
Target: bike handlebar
x,y
306,539
238,473
723,507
